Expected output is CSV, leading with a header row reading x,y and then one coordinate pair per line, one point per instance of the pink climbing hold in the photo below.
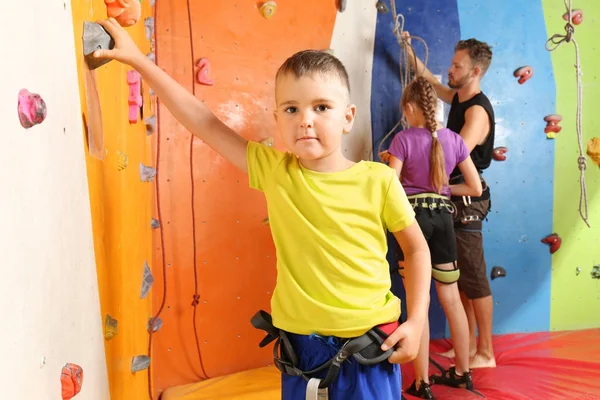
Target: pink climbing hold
x,y
576,17
202,76
32,109
134,81
523,73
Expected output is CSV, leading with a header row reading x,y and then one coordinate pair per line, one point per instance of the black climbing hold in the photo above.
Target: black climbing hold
x,y
155,223
147,281
382,8
342,5
157,325
95,38
140,363
497,272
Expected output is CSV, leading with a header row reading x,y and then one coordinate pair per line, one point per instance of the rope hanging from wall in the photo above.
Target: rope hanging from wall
x,y
406,72
552,44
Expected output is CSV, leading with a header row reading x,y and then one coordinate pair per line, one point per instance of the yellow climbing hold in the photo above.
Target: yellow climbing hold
x,y
267,142
593,150
268,9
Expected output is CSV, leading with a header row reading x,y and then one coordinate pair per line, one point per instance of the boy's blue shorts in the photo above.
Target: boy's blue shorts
x,y
355,381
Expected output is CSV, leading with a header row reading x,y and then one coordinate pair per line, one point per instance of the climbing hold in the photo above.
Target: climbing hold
x,y
497,272
329,51
552,125
382,8
151,56
152,2
95,38
576,17
155,224
147,173
122,161
150,125
342,5
147,281
31,108
595,272
157,325
134,80
554,241
202,76
265,221
149,27
498,153
593,150
268,9
523,73
139,363
577,271
71,379
126,12
111,327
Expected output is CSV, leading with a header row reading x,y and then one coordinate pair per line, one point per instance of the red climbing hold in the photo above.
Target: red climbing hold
x,y
576,17
31,108
71,379
499,152
552,126
523,73
554,241
134,80
202,76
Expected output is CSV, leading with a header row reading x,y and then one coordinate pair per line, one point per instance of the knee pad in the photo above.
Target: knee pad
x,y
445,276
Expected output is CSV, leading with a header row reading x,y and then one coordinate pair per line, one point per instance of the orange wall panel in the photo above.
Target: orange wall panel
x,y
235,257
121,210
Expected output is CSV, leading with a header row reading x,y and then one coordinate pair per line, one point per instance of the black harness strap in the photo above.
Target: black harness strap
x,y
365,349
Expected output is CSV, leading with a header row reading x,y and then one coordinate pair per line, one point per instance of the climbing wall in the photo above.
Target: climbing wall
x,y
530,196
177,233
575,295
216,244
117,151
51,329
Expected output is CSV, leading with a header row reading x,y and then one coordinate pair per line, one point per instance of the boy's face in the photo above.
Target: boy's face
x,y
312,114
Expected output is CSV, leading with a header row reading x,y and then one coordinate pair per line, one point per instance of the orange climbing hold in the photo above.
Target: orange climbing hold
x,y
71,379
593,150
126,12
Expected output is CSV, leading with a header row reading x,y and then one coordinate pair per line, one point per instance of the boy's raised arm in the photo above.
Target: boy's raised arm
x,y
184,106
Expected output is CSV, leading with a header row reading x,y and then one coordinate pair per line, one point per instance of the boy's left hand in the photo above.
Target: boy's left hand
x,y
405,339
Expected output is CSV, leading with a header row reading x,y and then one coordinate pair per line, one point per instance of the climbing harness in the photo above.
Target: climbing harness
x,y
433,201
365,350
406,75
552,44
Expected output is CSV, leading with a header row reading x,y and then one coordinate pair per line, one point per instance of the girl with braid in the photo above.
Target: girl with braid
x,y
424,156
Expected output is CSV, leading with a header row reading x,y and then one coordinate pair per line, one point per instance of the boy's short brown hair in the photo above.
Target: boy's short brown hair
x,y
307,62
480,52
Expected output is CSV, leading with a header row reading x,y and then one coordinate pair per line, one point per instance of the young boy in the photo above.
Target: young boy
x,y
328,217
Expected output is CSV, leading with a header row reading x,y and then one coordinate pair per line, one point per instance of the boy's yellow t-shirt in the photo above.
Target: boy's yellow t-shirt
x,y
329,231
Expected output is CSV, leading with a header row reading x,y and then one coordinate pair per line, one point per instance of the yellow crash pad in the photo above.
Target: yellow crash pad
x,y
255,384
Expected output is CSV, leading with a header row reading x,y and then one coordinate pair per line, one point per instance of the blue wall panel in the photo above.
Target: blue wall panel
x,y
522,186
436,21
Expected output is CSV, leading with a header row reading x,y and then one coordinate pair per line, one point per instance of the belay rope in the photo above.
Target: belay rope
x,y
552,44
406,74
